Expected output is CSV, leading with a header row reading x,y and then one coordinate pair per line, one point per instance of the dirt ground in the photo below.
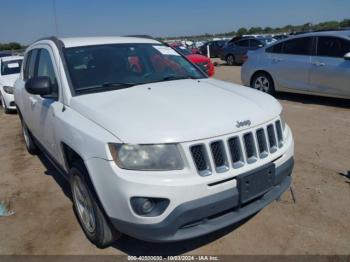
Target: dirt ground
x,y
318,223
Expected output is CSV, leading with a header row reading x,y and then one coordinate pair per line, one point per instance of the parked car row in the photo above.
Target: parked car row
x,y
125,120
313,63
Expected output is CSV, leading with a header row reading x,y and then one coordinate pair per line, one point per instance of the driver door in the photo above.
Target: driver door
x,y
44,108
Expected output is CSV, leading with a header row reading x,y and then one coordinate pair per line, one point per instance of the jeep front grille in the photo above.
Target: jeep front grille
x,y
200,159
238,150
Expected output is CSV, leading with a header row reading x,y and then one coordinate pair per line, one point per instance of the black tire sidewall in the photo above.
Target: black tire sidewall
x,y
103,234
31,147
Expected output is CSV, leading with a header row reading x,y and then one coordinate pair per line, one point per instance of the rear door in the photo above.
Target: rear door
x,y
290,63
330,73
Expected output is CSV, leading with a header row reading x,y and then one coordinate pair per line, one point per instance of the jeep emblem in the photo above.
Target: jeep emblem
x,y
243,123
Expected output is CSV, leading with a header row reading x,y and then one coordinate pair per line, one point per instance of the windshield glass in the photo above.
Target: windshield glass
x,y
109,67
11,67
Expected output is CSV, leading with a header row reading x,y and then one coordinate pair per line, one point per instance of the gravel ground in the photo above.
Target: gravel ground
x,y
318,223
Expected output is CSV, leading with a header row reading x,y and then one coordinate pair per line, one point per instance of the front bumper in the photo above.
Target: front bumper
x,y
205,215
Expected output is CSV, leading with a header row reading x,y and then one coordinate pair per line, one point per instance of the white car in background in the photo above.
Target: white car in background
x,y
10,67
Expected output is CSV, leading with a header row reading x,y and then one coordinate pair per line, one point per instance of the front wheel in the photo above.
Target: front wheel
x,y
263,82
91,216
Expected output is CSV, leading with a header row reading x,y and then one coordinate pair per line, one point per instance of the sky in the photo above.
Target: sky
x,y
25,21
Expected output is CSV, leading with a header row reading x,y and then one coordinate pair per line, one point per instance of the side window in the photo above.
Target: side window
x,y
29,70
243,43
255,43
45,68
332,46
277,49
298,46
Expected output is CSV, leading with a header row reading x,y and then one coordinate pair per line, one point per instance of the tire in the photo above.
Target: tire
x,y
3,104
90,214
263,82
28,139
230,59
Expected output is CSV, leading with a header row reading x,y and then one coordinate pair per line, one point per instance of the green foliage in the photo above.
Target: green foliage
x,y
11,46
328,25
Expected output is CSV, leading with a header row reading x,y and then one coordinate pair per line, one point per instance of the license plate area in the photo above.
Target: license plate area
x,y
254,184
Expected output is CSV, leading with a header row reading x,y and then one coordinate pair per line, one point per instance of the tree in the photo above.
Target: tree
x,y
242,31
345,23
10,46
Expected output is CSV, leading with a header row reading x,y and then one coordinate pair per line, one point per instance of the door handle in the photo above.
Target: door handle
x,y
319,64
33,101
277,60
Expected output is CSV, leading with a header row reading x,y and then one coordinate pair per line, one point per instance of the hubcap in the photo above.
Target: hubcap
x,y
84,205
230,60
262,84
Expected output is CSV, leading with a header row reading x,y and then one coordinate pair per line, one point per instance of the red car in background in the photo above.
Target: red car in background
x,y
200,60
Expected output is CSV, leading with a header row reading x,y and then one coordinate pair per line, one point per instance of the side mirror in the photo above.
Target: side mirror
x,y
39,86
347,56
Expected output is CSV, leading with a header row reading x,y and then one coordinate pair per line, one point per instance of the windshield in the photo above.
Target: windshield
x,y
109,67
11,67
183,50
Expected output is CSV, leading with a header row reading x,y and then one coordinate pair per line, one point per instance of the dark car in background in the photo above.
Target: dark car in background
x,y
235,51
215,48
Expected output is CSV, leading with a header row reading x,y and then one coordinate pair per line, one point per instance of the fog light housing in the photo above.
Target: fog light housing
x,y
149,207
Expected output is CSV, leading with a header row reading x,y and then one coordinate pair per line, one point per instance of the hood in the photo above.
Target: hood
x,y
176,111
198,58
8,80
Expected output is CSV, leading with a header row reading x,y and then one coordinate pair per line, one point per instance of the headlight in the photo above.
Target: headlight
x,y
283,123
8,89
147,157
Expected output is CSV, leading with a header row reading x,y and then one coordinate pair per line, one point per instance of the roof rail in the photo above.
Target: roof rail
x,y
54,39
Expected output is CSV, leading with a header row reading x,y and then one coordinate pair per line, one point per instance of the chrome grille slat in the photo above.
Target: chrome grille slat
x,y
279,133
221,155
262,144
272,138
250,149
235,148
200,158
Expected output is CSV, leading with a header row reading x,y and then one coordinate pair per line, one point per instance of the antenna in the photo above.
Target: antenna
x,y
55,16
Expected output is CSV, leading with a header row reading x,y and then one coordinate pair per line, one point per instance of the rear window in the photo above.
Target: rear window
x,y
11,67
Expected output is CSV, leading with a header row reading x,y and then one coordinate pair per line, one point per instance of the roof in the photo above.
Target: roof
x,y
9,58
343,33
84,41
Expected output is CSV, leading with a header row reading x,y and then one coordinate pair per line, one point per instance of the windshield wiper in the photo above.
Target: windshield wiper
x,y
173,77
105,87
176,77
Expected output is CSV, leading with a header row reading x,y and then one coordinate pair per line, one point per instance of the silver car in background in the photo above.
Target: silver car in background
x,y
314,63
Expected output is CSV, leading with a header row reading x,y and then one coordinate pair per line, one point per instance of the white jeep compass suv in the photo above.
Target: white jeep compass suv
x,y
152,147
